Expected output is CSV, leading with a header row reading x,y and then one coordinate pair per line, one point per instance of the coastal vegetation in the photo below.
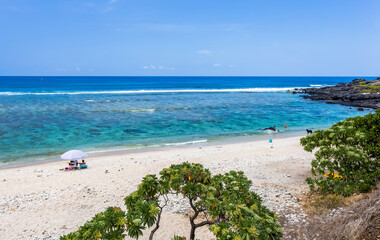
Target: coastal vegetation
x,y
347,156
369,86
347,162
223,202
336,217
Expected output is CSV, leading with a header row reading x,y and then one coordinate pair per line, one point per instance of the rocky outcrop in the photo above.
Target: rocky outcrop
x,y
358,93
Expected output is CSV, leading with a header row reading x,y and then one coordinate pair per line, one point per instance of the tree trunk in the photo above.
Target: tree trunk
x,y
156,227
192,231
158,218
193,225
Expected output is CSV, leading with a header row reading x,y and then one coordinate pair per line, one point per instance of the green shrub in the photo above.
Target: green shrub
x,y
225,202
108,225
347,156
367,87
178,238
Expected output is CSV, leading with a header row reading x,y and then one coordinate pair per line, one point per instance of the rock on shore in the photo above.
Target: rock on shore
x,y
358,93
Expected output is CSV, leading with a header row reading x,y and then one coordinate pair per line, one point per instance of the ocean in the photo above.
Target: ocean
x,y
42,117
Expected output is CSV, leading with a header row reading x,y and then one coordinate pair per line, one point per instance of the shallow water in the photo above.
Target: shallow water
x,y
40,119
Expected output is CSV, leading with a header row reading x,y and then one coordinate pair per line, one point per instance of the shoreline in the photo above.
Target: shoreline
x,y
109,152
42,199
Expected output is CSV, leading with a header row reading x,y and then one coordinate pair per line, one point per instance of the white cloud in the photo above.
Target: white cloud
x,y
76,69
110,6
204,52
217,65
108,9
158,67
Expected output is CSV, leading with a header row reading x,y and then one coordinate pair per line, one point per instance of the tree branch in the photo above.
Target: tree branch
x,y
158,218
203,223
192,205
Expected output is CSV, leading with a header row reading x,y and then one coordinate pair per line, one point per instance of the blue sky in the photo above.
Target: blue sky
x,y
190,38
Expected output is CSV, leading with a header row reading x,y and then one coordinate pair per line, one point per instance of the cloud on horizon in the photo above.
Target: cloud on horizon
x,y
158,67
204,52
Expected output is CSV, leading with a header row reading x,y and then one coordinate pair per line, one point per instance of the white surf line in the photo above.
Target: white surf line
x,y
158,91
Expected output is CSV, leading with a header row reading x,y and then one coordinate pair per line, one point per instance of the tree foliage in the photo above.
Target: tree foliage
x,y
108,225
223,202
347,155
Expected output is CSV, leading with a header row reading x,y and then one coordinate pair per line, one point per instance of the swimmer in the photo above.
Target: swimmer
x,y
271,128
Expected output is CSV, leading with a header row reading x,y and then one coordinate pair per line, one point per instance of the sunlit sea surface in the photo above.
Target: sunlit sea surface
x,y
43,117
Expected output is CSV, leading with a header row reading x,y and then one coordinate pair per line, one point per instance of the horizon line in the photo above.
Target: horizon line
x,y
191,76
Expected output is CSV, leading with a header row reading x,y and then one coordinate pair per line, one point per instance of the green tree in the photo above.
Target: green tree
x,y
224,201
347,155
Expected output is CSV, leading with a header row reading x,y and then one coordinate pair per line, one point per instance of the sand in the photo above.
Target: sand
x,y
42,202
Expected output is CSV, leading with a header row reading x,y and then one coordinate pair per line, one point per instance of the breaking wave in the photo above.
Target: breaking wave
x,y
283,89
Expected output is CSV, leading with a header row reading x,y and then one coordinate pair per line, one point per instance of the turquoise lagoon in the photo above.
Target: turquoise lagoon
x,y
40,118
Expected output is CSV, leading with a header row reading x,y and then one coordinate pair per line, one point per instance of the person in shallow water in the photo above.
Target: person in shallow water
x,y
270,128
285,125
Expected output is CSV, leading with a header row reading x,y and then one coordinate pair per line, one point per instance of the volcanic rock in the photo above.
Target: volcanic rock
x,y
358,93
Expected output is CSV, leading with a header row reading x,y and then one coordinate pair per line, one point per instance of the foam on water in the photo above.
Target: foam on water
x,y
282,89
186,143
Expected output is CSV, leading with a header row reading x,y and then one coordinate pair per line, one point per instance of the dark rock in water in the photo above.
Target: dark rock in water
x,y
133,131
358,93
360,109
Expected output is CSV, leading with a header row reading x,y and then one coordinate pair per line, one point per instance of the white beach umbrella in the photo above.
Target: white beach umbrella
x,y
73,155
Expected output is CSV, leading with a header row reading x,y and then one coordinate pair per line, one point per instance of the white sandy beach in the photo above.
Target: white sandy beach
x,y
41,202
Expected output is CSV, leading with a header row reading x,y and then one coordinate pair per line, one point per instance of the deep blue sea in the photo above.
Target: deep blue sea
x,y
43,117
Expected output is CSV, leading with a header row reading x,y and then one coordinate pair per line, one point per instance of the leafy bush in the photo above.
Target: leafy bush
x,y
238,212
347,156
224,201
108,225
